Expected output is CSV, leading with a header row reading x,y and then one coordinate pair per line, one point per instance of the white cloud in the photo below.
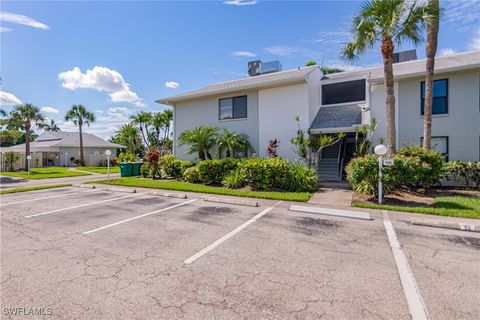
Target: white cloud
x,y
241,2
288,51
101,79
2,29
21,19
463,14
243,54
8,99
172,84
475,42
446,52
49,110
332,37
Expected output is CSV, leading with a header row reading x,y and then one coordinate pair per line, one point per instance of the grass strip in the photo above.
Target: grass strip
x,y
52,186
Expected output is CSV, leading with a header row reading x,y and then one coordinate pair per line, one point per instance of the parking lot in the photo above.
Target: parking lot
x,y
97,254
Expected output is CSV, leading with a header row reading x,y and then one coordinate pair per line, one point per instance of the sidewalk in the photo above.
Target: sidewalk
x,y
11,182
333,194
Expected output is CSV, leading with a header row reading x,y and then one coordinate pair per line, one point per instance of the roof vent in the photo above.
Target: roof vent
x,y
258,67
403,56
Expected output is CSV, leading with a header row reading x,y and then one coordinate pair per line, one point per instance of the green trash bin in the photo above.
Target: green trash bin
x,y
125,169
136,169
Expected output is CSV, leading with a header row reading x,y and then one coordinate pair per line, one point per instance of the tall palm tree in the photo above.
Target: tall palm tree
x,y
25,116
129,136
79,115
430,50
158,123
228,142
143,120
389,23
201,139
50,126
168,118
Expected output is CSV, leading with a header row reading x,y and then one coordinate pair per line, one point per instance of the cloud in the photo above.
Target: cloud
x,y
2,29
21,19
8,99
172,84
475,42
464,15
446,52
101,79
332,37
243,54
240,2
288,51
49,110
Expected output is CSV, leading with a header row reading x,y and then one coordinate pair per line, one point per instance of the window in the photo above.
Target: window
x,y
232,108
440,96
439,144
342,92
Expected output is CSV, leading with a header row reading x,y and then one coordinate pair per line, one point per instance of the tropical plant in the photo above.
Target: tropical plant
x,y
389,23
272,148
234,180
79,115
191,175
430,50
49,126
167,118
171,166
24,117
127,157
143,120
10,158
152,156
466,174
200,140
128,136
158,123
363,136
309,148
228,142
330,70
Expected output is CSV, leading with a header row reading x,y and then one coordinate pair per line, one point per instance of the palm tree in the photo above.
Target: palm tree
x,y
389,23
129,136
79,115
23,117
228,142
200,139
50,126
430,50
143,120
168,118
158,123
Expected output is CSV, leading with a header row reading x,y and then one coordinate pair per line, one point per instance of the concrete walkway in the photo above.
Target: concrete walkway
x,y
12,182
335,194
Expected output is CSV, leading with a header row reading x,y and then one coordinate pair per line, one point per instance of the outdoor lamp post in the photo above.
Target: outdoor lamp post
x,y
380,151
29,157
108,153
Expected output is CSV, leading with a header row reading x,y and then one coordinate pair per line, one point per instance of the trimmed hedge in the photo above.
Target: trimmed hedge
x,y
466,174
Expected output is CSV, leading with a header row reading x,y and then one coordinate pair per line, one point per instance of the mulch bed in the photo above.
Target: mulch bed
x,y
419,198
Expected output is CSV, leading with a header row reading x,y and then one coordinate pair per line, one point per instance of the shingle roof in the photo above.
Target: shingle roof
x,y
337,117
257,82
72,139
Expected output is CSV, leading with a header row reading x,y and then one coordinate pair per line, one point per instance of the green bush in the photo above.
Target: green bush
x,y
191,174
362,173
466,174
299,178
234,180
171,166
264,173
127,157
214,171
185,165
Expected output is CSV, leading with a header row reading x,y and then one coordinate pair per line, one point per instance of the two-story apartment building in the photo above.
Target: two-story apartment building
x,y
264,106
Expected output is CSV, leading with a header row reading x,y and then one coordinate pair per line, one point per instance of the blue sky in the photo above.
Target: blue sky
x,y
116,58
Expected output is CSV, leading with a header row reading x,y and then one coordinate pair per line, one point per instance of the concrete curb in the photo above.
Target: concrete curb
x,y
240,202
471,227
83,185
333,212
169,194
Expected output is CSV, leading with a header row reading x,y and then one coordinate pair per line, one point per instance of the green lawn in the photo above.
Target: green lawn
x,y
192,187
45,173
8,191
453,206
102,170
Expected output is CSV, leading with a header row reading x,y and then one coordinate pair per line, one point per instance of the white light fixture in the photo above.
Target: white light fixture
x,y
108,152
380,150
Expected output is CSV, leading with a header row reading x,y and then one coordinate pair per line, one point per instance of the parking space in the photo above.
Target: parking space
x,y
93,253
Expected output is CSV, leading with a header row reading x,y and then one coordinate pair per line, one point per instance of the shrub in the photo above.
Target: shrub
x,y
466,174
299,178
76,161
127,157
191,174
114,161
214,171
170,165
152,156
418,167
145,170
234,180
185,165
264,173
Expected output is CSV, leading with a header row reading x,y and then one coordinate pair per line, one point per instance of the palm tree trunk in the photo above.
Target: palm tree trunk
x,y
143,136
27,143
387,52
201,154
82,158
430,50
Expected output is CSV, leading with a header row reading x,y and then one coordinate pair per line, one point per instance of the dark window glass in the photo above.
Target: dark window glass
x,y
349,91
440,96
232,108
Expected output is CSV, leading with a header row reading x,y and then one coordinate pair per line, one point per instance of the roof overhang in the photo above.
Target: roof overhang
x,y
334,130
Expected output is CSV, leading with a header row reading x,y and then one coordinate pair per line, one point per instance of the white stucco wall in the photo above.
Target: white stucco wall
x,y
278,108
461,124
378,111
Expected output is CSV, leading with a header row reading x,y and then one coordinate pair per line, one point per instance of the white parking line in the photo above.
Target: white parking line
x,y
82,205
227,236
415,303
49,197
138,217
